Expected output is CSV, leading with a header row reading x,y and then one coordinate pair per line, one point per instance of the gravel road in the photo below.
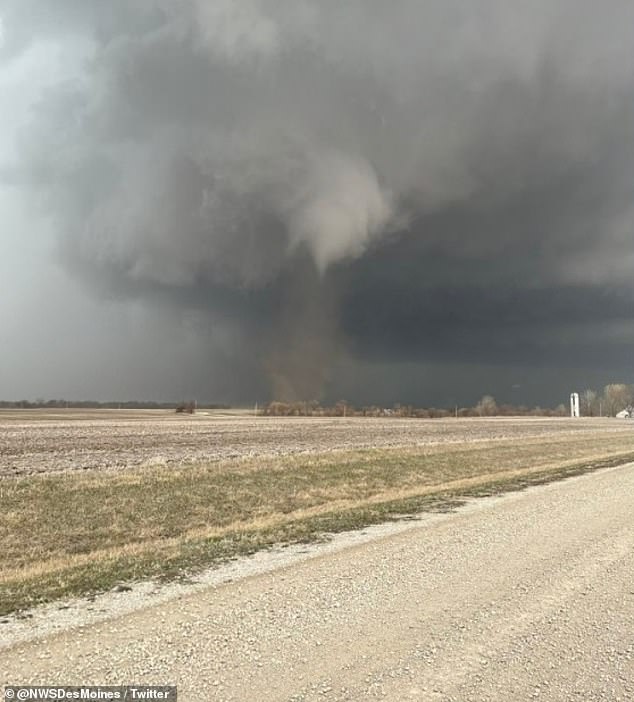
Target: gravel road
x,y
529,596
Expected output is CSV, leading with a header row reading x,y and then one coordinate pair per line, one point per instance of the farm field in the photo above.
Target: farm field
x,y
92,500
49,441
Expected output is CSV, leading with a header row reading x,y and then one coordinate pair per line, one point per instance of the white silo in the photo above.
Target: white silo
x,y
574,404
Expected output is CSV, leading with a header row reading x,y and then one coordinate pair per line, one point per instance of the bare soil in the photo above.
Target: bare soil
x,y
33,442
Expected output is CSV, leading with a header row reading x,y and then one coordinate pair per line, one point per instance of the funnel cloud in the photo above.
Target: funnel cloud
x,y
406,201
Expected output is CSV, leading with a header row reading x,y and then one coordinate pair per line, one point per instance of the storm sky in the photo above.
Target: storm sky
x,y
233,200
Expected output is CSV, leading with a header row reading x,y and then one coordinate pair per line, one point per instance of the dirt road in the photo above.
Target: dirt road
x,y
524,597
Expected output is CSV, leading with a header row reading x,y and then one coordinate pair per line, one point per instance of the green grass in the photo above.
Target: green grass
x,y
81,533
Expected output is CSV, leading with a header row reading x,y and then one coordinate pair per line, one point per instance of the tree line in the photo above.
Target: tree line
x,y
614,398
95,404
486,407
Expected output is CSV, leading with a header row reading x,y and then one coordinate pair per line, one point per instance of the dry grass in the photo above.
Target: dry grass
x,y
75,532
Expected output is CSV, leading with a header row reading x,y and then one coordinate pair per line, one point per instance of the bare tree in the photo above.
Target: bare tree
x,y
588,402
487,406
616,396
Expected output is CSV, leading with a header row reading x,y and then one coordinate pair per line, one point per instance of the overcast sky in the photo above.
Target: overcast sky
x,y
236,201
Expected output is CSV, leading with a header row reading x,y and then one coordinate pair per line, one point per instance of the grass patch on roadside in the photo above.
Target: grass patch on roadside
x,y
80,533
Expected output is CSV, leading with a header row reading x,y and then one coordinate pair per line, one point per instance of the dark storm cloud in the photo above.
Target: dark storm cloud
x,y
398,181
512,325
